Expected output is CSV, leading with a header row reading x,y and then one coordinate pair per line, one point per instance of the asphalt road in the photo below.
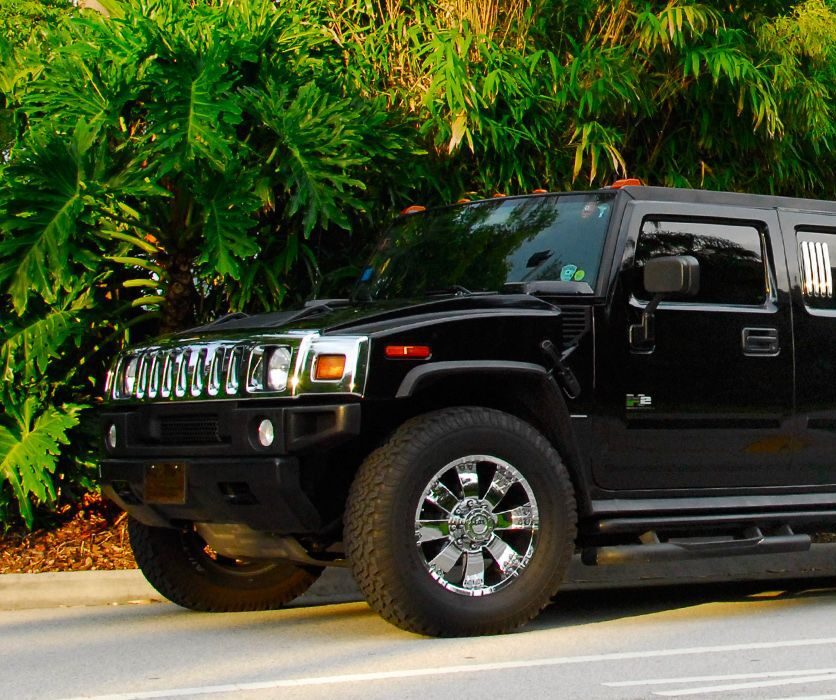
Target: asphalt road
x,y
762,640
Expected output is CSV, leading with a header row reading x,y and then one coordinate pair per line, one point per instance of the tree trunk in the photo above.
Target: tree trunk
x,y
181,297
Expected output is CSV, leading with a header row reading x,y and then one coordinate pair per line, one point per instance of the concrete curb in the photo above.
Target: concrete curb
x,y
76,588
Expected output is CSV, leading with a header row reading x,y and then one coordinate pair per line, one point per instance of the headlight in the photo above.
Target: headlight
x,y
129,381
278,368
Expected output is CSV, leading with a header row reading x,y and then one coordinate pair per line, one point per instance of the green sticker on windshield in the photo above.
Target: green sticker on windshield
x,y
579,275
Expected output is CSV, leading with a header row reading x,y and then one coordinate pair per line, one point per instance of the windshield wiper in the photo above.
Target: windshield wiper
x,y
455,289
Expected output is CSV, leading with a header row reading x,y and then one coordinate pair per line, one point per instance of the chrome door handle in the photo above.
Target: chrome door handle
x,y
761,342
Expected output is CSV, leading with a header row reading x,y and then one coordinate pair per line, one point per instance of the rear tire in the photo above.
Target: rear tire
x,y
179,565
463,523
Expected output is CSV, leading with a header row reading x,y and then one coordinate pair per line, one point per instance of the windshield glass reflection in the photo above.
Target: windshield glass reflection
x,y
482,247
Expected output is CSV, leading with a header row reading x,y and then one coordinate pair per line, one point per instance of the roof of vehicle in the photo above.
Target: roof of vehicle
x,y
677,194
758,201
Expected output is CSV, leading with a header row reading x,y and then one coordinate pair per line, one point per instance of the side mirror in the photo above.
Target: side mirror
x,y
672,275
676,275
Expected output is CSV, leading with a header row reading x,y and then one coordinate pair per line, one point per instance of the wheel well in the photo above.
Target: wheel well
x,y
533,398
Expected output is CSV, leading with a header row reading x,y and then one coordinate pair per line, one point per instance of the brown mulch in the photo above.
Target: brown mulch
x,y
89,536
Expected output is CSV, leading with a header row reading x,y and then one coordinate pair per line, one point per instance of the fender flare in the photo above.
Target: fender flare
x,y
422,373
557,420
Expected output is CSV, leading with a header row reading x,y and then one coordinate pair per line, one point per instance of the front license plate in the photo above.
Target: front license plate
x,y
165,482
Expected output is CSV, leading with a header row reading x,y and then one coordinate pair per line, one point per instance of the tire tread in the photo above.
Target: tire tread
x,y
374,488
185,586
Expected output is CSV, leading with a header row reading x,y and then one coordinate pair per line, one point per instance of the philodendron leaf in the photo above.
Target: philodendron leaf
x,y
29,452
228,223
28,344
39,212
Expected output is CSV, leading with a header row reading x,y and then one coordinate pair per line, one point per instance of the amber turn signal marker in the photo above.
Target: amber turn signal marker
x,y
539,190
410,352
627,182
414,209
329,367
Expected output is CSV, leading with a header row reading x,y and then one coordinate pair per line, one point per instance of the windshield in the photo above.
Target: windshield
x,y
482,247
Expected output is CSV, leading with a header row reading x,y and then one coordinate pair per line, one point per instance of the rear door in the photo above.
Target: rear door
x,y
811,253
709,405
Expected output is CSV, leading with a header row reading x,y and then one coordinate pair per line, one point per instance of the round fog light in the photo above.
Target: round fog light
x,y
266,434
111,436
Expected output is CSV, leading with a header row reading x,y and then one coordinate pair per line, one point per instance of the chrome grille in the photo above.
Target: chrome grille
x,y
206,370
231,368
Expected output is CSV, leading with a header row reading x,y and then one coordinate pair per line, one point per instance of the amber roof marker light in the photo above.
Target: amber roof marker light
x,y
626,182
413,209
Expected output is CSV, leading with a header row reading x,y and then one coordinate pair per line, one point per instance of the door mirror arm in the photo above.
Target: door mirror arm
x,y
676,275
643,335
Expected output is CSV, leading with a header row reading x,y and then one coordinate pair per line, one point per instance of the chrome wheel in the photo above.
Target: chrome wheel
x,y
476,525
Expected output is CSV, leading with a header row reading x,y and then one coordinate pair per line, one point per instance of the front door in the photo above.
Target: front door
x,y
709,403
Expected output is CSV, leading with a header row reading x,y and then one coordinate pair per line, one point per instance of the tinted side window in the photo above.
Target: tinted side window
x,y
817,260
731,258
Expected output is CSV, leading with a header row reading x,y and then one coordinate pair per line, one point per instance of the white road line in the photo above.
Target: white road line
x,y
727,677
745,686
450,670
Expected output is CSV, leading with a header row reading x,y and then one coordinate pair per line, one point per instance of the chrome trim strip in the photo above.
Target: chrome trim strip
x,y
807,268
154,377
141,377
168,376
231,373
213,381
197,363
823,258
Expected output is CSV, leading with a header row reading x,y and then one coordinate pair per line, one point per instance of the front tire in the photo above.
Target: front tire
x,y
180,566
463,523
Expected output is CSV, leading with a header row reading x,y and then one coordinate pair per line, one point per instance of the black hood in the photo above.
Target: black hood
x,y
340,316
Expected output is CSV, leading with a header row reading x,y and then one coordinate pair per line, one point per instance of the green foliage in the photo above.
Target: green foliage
x,y
29,449
171,148
21,21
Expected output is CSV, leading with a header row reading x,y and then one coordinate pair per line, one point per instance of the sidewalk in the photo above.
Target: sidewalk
x,y
23,591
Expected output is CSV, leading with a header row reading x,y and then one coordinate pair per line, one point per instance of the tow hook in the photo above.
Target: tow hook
x,y
562,372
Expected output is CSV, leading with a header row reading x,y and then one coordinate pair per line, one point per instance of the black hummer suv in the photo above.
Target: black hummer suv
x,y
636,372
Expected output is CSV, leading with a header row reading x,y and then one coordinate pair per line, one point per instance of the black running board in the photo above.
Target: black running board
x,y
676,551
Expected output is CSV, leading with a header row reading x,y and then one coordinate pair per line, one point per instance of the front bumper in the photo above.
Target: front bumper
x,y
230,477
227,429
264,493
